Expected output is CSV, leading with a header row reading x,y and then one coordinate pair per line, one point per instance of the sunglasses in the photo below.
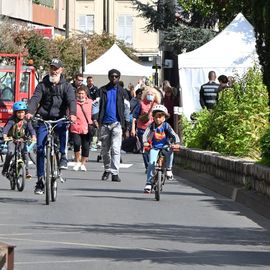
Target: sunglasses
x,y
114,76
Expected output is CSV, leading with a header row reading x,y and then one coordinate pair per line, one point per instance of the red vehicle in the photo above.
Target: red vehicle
x,y
17,83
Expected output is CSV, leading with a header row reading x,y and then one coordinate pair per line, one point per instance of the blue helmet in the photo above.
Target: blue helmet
x,y
19,106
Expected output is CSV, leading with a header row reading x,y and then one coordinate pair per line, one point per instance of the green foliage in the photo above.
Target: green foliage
x,y
265,146
182,37
238,121
261,18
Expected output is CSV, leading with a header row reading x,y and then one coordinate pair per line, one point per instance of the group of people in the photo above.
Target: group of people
x,y
210,90
108,109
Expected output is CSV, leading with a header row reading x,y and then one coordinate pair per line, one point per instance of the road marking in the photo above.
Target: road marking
x,y
122,165
73,243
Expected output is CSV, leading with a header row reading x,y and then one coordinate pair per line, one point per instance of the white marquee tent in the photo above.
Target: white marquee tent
x,y
231,52
116,58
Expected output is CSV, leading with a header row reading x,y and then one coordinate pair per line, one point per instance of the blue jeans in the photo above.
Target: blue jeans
x,y
61,130
153,154
145,155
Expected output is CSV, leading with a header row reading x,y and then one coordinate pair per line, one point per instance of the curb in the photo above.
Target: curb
x,y
251,199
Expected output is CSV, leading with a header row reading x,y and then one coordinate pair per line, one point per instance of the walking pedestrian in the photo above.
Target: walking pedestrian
x,y
82,130
113,115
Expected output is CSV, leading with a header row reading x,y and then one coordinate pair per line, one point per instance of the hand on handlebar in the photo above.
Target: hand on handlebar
x,y
28,116
175,147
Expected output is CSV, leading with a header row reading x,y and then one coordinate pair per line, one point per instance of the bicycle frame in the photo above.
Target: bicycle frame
x,y
17,167
52,172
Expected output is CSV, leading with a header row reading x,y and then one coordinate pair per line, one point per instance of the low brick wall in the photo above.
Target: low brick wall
x,y
233,170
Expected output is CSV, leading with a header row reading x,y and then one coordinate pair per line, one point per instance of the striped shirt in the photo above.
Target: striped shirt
x,y
209,95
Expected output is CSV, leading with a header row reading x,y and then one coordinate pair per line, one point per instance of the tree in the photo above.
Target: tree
x,y
261,18
190,24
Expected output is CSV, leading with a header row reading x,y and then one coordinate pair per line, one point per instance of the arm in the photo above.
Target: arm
x,y
7,128
202,98
31,130
35,99
146,135
173,135
71,100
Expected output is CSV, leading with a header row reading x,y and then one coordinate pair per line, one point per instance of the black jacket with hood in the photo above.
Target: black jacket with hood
x,y
52,102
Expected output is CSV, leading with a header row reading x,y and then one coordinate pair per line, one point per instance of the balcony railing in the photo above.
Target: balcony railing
x,y
47,3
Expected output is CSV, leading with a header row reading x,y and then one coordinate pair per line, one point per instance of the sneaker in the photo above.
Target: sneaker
x,y
77,166
115,178
28,176
147,188
169,174
39,189
63,163
105,176
83,168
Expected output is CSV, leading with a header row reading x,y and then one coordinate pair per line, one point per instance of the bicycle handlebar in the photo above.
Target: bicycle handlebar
x,y
63,119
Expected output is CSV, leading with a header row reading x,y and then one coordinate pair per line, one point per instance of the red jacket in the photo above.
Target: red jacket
x,y
81,124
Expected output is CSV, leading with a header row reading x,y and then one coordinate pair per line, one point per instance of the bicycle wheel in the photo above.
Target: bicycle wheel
x,y
20,176
55,172
11,176
48,175
157,185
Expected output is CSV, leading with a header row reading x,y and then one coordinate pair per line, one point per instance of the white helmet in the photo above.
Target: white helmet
x,y
160,108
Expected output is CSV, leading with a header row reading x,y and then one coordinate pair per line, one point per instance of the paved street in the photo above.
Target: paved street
x,y
105,225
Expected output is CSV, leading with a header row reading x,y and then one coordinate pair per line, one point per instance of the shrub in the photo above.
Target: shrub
x,y
238,121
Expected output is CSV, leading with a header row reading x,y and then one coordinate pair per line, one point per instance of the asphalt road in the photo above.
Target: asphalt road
x,y
106,225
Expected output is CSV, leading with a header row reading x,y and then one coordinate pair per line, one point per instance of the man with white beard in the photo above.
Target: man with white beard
x,y
52,99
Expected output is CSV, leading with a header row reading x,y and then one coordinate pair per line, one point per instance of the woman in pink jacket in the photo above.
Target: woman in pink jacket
x,y
81,129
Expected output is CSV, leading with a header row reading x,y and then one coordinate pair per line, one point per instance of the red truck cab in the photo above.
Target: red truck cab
x,y
17,83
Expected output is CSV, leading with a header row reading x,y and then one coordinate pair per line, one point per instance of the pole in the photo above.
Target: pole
x,y
67,18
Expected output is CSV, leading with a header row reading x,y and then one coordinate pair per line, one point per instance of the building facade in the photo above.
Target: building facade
x,y
116,17
119,18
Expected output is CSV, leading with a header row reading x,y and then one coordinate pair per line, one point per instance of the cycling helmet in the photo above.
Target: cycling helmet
x,y
160,108
19,106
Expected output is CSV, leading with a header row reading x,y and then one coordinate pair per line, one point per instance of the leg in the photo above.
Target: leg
x,y
145,155
41,140
105,137
9,155
62,132
153,154
116,141
85,150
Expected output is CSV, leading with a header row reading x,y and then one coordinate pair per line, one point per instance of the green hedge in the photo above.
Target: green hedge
x,y
238,122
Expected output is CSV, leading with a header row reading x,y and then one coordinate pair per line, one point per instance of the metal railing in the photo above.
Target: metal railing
x,y
47,3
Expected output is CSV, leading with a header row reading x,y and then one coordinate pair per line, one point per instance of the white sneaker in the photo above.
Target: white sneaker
x,y
83,168
169,174
77,166
147,188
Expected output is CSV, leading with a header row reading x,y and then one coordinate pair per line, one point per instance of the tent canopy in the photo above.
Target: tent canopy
x,y
231,51
116,58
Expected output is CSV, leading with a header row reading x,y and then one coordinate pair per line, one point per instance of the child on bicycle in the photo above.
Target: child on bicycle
x,y
17,128
156,137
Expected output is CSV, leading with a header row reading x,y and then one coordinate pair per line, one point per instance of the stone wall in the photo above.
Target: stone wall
x,y
236,171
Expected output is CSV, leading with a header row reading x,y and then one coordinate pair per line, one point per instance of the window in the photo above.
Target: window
x,y
125,28
86,23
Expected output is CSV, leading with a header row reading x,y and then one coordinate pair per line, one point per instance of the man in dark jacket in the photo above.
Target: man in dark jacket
x,y
52,98
209,92
92,89
113,115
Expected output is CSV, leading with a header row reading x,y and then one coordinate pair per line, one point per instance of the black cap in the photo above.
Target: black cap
x,y
56,63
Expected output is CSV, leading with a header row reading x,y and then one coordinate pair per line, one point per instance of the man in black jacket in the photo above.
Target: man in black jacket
x,y
113,115
52,98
